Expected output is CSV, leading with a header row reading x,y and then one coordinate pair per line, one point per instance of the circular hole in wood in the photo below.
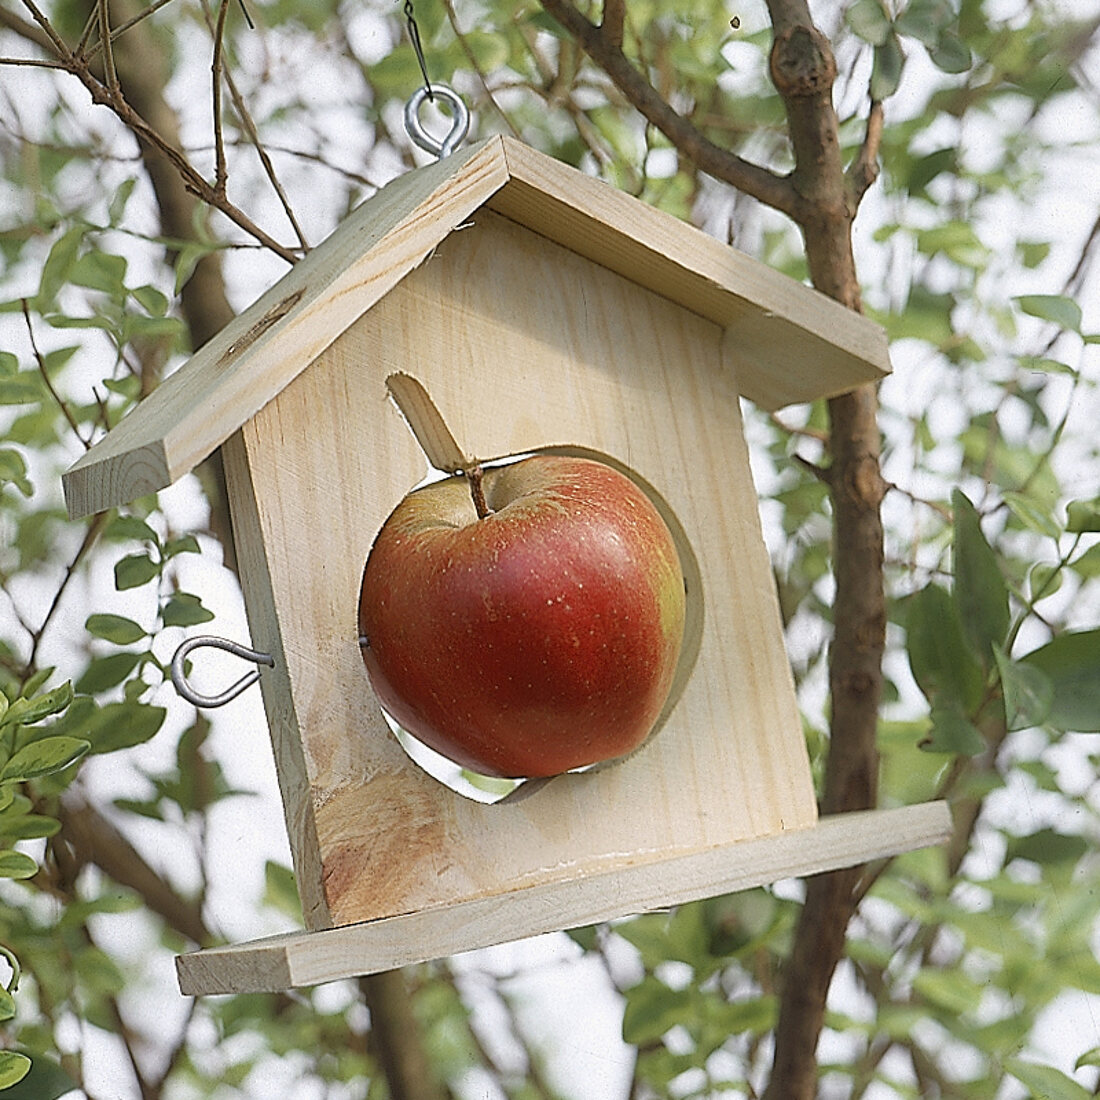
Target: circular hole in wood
x,y
492,789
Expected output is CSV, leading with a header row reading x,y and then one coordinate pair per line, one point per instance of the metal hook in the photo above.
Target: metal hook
x,y
460,120
212,642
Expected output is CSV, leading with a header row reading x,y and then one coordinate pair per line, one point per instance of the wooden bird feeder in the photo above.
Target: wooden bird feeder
x,y
540,309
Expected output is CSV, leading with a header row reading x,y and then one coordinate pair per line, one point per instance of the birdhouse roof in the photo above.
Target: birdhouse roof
x,y
786,342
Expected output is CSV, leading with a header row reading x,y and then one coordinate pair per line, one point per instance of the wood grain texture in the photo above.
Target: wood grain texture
x,y
787,343
305,958
541,349
235,374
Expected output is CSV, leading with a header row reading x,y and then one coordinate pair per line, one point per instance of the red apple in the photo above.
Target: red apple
x,y
540,637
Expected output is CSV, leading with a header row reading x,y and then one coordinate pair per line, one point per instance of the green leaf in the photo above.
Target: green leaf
x,y
130,527
1055,308
29,827
13,1068
107,672
886,69
114,628
869,20
1047,847
1043,580
152,300
14,469
981,595
135,570
951,54
1043,364
924,20
1028,692
7,1005
183,609
939,657
25,388
1087,565
949,990
1072,664
59,263
652,1009
121,198
185,544
50,754
46,1081
187,259
15,864
1089,1058
124,725
27,711
929,167
281,890
1046,1082
100,271
952,732
1033,253
1031,515
1083,515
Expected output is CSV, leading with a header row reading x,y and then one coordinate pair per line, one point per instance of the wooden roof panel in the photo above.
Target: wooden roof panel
x,y
786,342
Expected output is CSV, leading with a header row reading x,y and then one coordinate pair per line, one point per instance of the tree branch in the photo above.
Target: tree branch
x,y
761,183
395,1038
107,92
803,69
864,170
92,839
614,17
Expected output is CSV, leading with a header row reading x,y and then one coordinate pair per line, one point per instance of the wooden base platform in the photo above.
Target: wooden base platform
x,y
310,958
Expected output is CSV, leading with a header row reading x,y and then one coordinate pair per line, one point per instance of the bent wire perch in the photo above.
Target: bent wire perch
x,y
210,641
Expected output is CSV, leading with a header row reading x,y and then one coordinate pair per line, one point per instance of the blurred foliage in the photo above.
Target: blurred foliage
x,y
956,957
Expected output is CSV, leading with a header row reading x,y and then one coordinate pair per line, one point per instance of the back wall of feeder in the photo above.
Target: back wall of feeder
x,y
540,309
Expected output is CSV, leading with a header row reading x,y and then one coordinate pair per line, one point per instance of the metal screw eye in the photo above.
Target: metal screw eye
x,y
460,120
210,641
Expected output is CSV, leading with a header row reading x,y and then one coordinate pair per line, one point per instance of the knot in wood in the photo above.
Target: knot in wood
x,y
802,62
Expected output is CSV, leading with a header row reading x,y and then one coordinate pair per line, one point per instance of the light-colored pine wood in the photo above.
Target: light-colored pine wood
x,y
236,373
541,349
309,958
787,342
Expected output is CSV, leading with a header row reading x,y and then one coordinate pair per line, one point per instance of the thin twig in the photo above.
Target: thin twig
x,y
46,377
108,51
865,168
122,28
34,63
471,57
790,429
253,133
90,536
47,27
112,98
220,171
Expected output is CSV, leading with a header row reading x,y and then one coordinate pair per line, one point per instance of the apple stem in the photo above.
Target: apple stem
x,y
474,475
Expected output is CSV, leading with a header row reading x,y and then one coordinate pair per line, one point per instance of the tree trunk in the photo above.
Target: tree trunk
x,y
803,70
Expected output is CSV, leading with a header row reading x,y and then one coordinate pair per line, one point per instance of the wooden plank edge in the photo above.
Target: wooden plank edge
x,y
181,423
310,958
